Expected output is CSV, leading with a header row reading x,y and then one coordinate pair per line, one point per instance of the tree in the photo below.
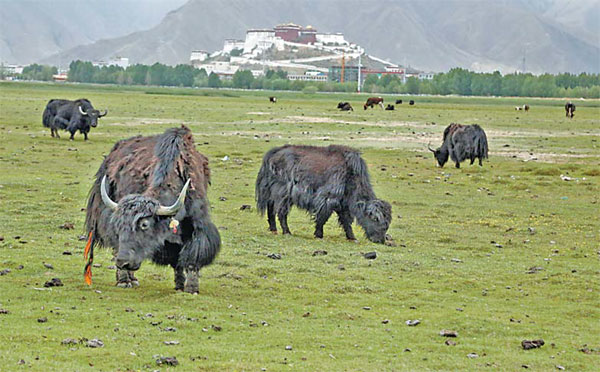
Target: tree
x,y
242,79
214,81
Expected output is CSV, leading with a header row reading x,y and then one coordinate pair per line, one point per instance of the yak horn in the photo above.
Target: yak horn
x,y
105,198
81,111
429,147
105,112
173,209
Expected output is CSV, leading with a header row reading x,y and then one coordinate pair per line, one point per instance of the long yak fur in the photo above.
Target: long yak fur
x,y
142,171
321,180
462,142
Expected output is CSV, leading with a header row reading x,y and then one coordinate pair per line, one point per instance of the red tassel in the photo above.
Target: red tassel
x,y
88,245
88,275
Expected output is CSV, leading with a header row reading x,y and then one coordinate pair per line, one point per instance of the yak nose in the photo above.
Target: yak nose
x,y
122,264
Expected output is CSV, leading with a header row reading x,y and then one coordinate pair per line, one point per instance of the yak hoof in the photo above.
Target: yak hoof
x,y
124,284
191,290
274,232
135,283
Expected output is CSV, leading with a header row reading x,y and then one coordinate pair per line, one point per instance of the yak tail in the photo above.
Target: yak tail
x,y
482,145
264,181
47,118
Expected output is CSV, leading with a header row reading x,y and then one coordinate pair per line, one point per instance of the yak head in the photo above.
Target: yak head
x,y
90,114
374,216
142,225
440,154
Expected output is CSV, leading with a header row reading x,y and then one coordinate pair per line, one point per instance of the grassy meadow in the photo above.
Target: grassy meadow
x,y
500,253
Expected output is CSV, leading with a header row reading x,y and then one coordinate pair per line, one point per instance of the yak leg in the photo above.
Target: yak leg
x,y
179,278
125,279
472,160
191,282
457,165
345,219
320,221
271,218
85,136
480,162
282,214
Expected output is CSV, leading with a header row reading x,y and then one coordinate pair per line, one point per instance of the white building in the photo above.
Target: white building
x,y
426,75
220,68
198,56
308,76
231,44
117,61
259,40
331,38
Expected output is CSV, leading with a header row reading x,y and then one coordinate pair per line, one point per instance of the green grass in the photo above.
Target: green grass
x,y
438,215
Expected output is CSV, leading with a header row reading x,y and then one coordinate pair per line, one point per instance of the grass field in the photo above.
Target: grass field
x,y
500,253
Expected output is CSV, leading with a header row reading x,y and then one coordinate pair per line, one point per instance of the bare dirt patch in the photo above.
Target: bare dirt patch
x,y
134,122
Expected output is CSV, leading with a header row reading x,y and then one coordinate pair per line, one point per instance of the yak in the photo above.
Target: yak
x,y
73,116
398,101
345,106
462,142
411,102
321,180
389,107
273,99
149,202
570,109
372,101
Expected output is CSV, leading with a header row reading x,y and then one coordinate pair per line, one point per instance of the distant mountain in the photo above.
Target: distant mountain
x,y
31,30
542,35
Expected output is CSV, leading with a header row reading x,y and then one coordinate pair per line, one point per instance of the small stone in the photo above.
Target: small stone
x,y
67,253
168,361
4,311
366,308
306,314
21,362
245,207
97,265
54,282
319,252
216,328
407,350
48,266
370,255
42,320
170,329
532,344
456,260
67,226
531,230
450,342
448,333
472,355
222,198
274,256
69,341
94,343
171,342
385,321
129,310
341,267
560,368
413,323
288,347
4,272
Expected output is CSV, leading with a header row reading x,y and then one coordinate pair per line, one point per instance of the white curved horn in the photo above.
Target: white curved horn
x,y
81,110
173,209
105,198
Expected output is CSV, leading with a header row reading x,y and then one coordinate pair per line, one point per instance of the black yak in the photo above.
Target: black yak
x,y
372,101
462,142
411,102
345,106
389,107
273,99
570,109
73,116
149,201
321,180
398,101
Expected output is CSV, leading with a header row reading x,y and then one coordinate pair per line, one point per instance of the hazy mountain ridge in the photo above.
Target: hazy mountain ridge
x,y
552,35
31,30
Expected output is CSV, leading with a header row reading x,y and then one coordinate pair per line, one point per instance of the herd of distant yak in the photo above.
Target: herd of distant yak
x,y
149,198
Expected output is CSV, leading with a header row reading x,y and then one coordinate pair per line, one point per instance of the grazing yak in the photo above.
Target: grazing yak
x,y
273,99
372,101
524,108
389,107
345,106
411,102
321,180
398,101
73,116
462,142
570,109
149,201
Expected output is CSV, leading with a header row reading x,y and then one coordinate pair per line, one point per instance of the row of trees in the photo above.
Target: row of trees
x,y
456,81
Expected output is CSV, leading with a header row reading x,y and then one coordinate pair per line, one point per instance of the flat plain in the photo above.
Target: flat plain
x,y
500,254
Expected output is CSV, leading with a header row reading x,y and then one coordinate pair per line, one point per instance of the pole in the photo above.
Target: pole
x,y
358,82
